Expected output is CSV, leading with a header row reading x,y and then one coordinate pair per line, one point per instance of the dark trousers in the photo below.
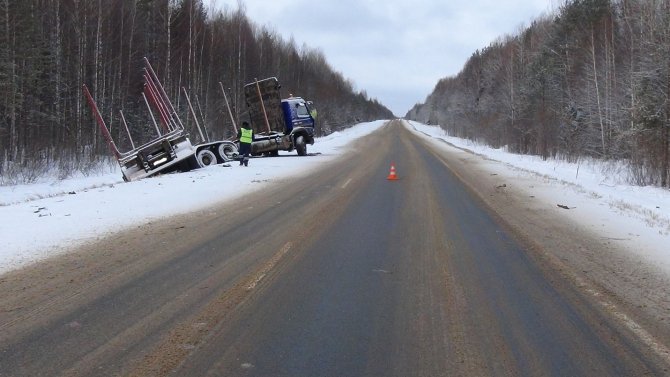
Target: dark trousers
x,y
245,151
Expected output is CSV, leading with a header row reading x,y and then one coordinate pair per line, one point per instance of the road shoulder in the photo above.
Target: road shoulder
x,y
622,282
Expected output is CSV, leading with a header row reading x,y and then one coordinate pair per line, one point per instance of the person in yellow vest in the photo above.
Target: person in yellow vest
x,y
245,135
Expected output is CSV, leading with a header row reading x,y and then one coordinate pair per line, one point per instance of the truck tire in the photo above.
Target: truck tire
x,y
227,151
300,146
206,158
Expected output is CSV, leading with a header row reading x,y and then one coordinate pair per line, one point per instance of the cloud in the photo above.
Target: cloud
x,y
394,50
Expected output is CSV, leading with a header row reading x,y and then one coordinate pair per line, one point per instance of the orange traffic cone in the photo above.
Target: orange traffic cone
x,y
392,176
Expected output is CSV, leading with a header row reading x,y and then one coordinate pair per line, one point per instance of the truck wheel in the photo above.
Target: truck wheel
x,y
300,146
206,158
227,151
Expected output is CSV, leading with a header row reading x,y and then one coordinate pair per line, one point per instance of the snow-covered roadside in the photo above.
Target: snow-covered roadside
x,y
636,218
41,220
48,218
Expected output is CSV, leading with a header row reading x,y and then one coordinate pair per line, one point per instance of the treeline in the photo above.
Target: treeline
x,y
591,80
49,48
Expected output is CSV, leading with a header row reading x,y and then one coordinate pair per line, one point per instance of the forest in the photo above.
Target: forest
x,y
50,48
589,81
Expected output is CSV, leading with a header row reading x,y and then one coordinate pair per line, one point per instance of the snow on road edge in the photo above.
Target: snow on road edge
x,y
49,218
635,218
52,217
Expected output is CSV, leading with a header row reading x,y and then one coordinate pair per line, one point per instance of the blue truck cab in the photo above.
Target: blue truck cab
x,y
297,114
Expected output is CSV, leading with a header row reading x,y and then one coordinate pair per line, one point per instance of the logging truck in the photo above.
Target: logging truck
x,y
171,149
278,124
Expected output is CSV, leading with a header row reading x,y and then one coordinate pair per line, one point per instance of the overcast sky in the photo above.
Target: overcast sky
x,y
395,50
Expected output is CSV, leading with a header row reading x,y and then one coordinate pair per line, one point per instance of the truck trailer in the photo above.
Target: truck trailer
x,y
171,148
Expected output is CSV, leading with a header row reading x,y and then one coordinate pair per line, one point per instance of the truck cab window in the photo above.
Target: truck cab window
x,y
301,110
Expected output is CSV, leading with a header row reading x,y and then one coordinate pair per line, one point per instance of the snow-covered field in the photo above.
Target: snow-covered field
x,y
44,219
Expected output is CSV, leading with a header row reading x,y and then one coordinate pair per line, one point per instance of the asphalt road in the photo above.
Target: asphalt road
x,y
339,273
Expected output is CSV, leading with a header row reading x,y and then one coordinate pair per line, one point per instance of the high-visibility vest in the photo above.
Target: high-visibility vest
x,y
246,136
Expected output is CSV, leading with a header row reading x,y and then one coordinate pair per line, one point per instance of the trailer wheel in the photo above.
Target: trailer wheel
x,y
227,151
206,158
300,146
